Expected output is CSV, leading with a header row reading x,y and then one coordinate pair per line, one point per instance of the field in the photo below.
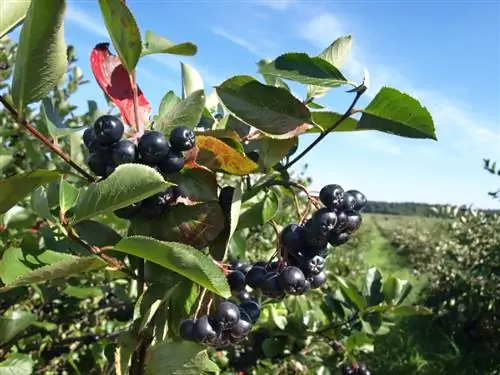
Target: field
x,y
416,345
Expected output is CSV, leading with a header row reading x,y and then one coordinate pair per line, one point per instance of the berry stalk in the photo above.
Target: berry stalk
x,y
324,133
13,112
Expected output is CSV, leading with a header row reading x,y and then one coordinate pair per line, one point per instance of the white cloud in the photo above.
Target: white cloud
x,y
86,21
279,5
448,114
236,40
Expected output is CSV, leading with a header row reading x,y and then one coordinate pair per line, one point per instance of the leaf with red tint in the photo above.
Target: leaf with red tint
x,y
218,156
115,82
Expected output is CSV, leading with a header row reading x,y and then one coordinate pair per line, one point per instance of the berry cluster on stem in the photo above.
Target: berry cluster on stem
x,y
107,150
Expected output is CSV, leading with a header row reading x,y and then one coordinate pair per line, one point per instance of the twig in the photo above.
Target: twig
x,y
323,134
54,148
337,325
200,303
135,94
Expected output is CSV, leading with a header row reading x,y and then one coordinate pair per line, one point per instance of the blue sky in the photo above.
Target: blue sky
x,y
445,53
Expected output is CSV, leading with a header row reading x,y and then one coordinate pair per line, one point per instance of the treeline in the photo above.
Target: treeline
x,y
407,208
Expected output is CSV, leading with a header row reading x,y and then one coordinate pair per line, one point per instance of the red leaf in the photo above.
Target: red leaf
x,y
115,82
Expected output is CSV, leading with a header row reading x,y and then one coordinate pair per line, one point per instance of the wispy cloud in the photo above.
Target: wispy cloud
x,y
280,5
447,113
237,40
86,21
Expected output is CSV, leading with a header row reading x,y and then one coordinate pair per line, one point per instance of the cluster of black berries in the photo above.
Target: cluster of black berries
x,y
108,150
359,369
305,247
229,324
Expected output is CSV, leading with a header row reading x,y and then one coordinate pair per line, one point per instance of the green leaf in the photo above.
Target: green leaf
x,y
123,31
325,120
13,13
196,225
61,265
359,342
41,57
5,161
82,292
178,358
351,292
97,234
389,288
271,151
302,68
403,289
197,184
181,258
153,43
231,214
128,184
40,204
373,286
394,112
272,110
17,364
54,124
335,54
181,304
186,112
68,195
169,101
191,80
14,189
261,212
14,324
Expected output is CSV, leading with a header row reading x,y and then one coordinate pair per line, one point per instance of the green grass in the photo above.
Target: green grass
x,y
376,251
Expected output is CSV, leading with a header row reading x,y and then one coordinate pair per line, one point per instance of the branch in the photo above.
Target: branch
x,y
13,112
324,133
135,94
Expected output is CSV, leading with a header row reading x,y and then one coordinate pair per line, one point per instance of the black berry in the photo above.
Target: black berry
x,y
98,162
182,139
270,286
108,129
315,265
341,222
317,280
187,330
128,212
360,199
236,280
315,237
292,238
89,138
353,221
338,239
252,309
242,327
243,296
347,370
173,162
155,205
226,315
153,147
245,268
325,217
331,196
292,280
204,330
349,202
255,277
124,151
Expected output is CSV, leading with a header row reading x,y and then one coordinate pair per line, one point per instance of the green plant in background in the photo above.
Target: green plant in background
x,y
118,235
